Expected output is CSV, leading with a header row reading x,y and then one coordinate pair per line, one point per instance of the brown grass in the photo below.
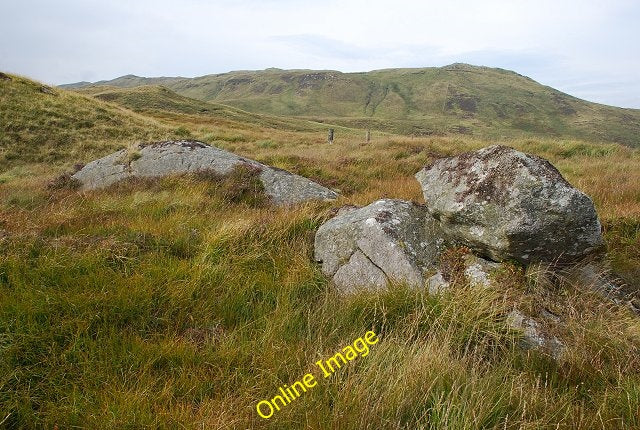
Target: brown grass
x,y
182,302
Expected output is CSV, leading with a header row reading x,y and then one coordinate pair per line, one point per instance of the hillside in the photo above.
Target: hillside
x,y
155,99
461,99
39,124
46,125
127,81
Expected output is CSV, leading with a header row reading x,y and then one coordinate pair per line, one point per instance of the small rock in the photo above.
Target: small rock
x,y
547,314
436,284
478,270
46,90
533,336
596,275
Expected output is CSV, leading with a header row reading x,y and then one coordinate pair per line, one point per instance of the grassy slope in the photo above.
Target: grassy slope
x,y
170,304
154,100
45,125
39,124
490,103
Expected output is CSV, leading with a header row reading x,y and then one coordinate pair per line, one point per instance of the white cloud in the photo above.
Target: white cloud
x,y
587,48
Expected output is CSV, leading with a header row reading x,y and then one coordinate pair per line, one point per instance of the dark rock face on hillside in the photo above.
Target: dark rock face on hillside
x,y
507,205
179,157
388,240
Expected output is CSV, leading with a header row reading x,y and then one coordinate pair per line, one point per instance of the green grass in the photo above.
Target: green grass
x,y
39,124
181,302
180,307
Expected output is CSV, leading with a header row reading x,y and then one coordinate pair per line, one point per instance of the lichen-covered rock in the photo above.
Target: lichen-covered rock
x,y
388,240
359,271
533,336
436,284
178,157
505,204
477,273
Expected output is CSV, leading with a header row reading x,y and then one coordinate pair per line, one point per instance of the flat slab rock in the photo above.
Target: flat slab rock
x,y
386,241
177,157
505,204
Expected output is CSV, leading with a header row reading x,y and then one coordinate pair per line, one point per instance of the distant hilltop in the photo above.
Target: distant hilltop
x,y
458,98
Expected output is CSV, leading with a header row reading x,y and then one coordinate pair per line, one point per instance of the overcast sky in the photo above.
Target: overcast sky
x,y
587,48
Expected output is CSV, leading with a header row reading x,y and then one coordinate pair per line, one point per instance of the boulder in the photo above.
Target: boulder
x,y
386,241
179,157
505,204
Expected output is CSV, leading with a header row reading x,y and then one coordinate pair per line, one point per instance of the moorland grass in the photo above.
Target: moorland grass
x,y
40,124
182,302
168,304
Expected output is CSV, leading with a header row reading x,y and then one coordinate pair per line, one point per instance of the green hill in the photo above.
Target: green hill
x,y
154,100
486,102
39,124
46,125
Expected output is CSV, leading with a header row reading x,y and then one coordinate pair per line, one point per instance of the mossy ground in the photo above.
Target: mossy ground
x,y
182,302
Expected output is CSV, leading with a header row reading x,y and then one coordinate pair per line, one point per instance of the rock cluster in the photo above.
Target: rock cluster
x,y
502,204
178,157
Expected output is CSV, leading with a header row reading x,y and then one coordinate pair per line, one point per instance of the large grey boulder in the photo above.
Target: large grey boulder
x,y
505,204
178,157
388,240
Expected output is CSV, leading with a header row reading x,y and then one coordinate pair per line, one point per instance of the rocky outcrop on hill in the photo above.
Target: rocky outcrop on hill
x,y
496,203
179,157
482,208
388,240
499,202
507,205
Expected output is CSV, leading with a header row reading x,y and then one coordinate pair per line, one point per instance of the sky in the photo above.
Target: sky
x,y
587,48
